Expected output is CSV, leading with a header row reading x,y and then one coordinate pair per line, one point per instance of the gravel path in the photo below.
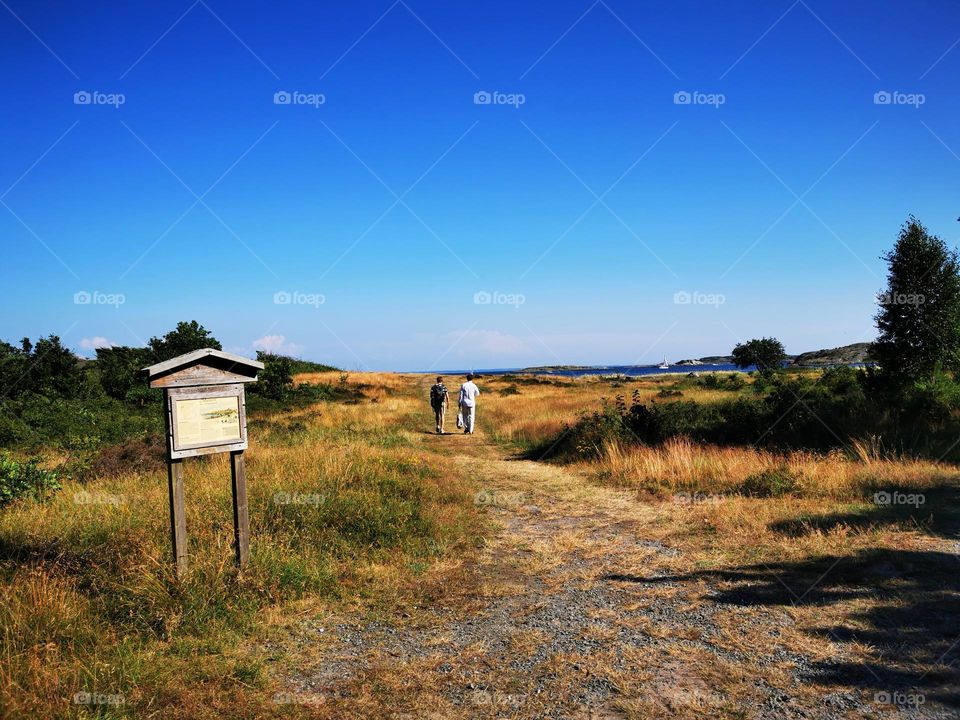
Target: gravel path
x,y
578,615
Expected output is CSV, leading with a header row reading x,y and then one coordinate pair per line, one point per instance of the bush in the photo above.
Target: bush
x,y
298,366
47,368
772,482
791,412
715,381
588,436
25,479
119,367
35,422
735,381
275,381
135,455
685,417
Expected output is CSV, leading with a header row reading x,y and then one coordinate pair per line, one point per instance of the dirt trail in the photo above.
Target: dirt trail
x,y
571,617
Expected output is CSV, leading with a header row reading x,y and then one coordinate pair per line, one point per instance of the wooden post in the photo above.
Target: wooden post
x,y
178,518
241,519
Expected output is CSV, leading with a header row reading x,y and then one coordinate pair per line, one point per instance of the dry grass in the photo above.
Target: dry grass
x,y
831,504
541,407
825,573
381,525
680,465
540,411
343,502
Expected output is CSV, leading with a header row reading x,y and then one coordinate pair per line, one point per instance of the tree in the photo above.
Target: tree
x,y
47,368
119,371
275,381
13,367
187,336
54,369
919,316
766,353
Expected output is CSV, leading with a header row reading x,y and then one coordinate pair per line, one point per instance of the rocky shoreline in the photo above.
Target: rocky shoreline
x,y
854,354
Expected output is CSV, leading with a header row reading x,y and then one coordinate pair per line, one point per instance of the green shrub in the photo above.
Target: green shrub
x,y
47,368
275,381
791,411
772,482
298,366
684,417
118,369
730,381
735,381
587,437
13,431
35,422
25,479
711,381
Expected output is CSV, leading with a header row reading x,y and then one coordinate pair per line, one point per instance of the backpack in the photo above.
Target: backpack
x,y
437,395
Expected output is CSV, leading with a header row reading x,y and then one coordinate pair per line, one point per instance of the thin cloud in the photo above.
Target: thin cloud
x,y
277,344
93,343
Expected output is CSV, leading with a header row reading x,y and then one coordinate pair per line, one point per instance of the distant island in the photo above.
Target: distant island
x,y
854,354
559,368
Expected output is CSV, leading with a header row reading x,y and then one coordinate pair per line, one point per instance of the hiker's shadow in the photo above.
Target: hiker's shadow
x,y
901,604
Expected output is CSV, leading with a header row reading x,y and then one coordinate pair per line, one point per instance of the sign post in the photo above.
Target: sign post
x,y
241,520
205,412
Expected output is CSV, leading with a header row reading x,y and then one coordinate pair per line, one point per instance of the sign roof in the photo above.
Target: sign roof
x,y
205,356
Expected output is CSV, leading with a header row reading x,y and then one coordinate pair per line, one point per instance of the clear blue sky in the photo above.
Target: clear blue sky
x,y
398,199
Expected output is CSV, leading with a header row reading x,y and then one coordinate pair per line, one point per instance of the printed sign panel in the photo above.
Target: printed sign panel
x,y
207,421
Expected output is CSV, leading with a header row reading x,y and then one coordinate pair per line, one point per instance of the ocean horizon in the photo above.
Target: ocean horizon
x,y
628,370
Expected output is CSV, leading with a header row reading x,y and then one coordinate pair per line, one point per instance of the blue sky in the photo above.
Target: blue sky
x,y
387,217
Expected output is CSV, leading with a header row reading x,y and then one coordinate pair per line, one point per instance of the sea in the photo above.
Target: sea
x,y
628,370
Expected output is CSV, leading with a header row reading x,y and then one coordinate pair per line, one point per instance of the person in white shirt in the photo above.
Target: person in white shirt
x,y
469,393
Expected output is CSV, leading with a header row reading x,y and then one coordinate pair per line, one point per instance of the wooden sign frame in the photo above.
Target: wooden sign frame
x,y
199,375
178,450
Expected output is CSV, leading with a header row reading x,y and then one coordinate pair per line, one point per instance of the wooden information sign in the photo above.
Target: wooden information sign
x,y
205,412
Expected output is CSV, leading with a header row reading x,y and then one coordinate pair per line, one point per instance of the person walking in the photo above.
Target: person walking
x,y
469,392
438,401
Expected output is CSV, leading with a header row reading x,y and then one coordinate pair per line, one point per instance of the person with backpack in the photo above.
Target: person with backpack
x,y
469,392
438,401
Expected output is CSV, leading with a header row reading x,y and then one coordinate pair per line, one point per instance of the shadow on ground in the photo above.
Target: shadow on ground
x,y
905,607
935,510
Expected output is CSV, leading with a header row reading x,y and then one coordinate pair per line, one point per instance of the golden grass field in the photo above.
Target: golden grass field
x,y
395,573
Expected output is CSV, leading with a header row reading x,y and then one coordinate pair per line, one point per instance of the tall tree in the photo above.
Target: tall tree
x,y
119,370
919,316
46,368
187,336
767,354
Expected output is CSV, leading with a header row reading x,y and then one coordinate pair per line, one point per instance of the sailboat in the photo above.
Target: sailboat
x,y
664,365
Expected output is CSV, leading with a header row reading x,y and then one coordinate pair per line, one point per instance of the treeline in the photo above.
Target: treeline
x,y
118,366
907,402
52,398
